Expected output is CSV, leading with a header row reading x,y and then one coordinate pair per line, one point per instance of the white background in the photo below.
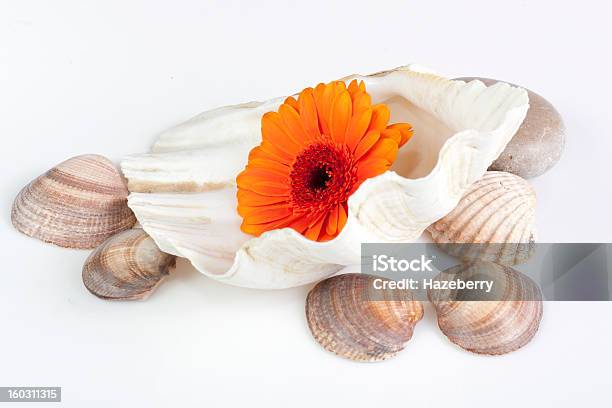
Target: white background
x,y
106,77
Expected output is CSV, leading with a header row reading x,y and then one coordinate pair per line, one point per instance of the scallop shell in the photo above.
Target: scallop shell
x,y
489,326
347,318
184,192
127,266
77,204
494,221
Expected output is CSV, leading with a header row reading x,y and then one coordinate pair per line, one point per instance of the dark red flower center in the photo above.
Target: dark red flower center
x,y
322,176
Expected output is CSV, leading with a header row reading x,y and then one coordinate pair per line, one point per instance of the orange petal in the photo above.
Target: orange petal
x,y
392,134
251,229
324,99
270,188
258,229
279,154
255,199
332,221
353,88
342,216
314,231
370,168
308,113
292,122
323,94
248,210
383,149
293,103
259,153
263,215
274,131
272,165
380,117
356,88
283,223
366,143
340,116
301,223
405,130
255,175
323,237
357,127
361,101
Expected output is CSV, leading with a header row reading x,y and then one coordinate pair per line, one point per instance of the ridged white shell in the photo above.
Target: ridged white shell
x,y
495,220
184,192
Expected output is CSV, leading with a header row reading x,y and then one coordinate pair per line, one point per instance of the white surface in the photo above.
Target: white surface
x,y
106,77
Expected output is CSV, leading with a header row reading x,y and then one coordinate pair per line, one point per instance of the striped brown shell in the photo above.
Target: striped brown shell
x,y
348,317
127,266
505,323
77,204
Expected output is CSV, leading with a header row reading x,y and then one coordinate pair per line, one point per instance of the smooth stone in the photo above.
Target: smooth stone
x,y
538,144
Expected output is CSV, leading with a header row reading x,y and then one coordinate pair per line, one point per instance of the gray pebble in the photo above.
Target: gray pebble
x,y
538,143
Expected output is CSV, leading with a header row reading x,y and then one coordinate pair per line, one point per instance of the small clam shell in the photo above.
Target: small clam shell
x,y
77,204
494,221
347,318
489,326
127,266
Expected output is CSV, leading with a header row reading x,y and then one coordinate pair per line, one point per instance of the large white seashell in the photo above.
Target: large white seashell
x,y
184,192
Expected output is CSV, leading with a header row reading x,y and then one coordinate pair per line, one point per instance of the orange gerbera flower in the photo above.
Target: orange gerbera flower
x,y
315,152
